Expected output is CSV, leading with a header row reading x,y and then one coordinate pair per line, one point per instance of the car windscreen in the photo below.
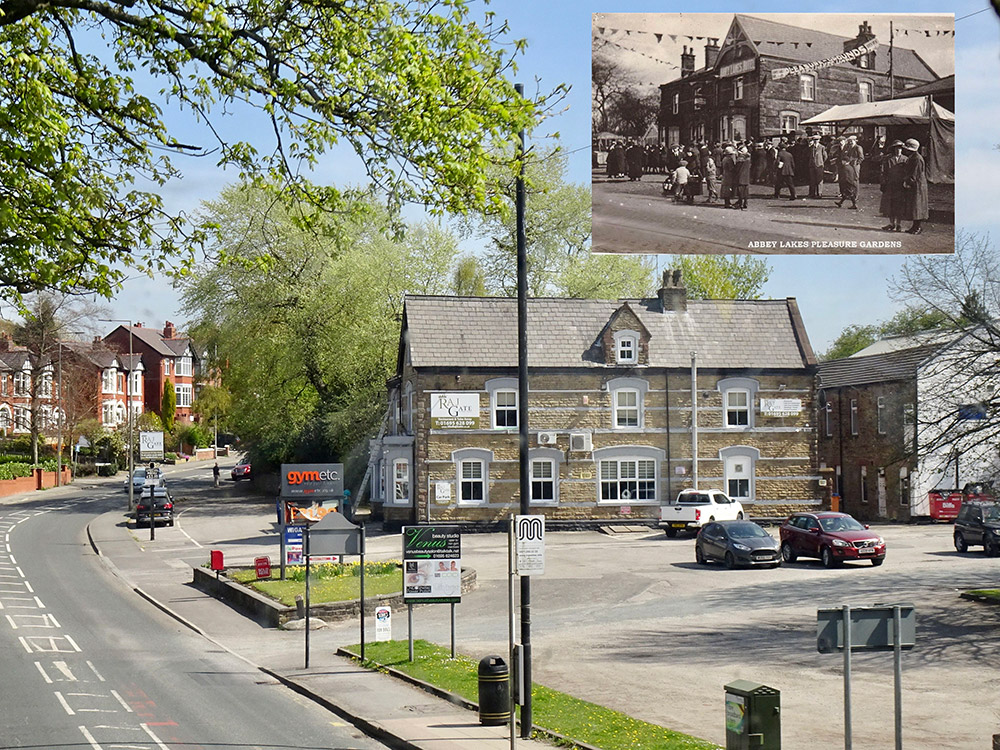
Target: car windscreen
x,y
694,499
991,512
840,523
745,531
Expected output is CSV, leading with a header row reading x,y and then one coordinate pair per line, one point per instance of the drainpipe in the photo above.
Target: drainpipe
x,y
670,470
694,420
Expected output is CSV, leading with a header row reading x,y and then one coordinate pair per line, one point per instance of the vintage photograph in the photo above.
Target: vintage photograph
x,y
773,133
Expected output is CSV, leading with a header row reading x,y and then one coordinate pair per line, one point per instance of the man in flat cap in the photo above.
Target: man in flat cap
x,y
893,202
817,159
915,187
851,156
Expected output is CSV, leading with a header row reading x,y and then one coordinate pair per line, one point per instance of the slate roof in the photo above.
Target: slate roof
x,y
910,341
154,339
877,368
481,332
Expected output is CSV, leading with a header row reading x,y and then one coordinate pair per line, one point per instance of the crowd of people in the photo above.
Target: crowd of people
x,y
724,171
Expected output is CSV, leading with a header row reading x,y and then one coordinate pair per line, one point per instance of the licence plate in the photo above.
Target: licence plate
x,y
678,525
866,551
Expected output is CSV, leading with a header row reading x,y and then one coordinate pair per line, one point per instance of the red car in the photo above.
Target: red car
x,y
241,470
832,537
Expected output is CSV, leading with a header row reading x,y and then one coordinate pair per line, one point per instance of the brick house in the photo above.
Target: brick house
x,y
610,408
166,354
15,389
735,95
898,419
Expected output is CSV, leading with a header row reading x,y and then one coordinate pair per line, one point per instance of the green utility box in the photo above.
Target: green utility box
x,y
753,716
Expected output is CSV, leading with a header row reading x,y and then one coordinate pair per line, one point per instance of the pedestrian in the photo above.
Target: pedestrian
x,y
915,187
215,473
784,172
729,175
681,175
817,161
893,202
743,164
616,161
694,179
635,158
711,180
851,156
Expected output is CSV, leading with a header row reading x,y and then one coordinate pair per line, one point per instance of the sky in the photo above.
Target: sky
x,y
832,291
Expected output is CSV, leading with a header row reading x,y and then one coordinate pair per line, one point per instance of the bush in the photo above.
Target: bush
x,y
341,570
15,470
107,470
84,470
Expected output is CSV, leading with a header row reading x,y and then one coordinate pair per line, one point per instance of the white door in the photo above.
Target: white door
x,y
739,477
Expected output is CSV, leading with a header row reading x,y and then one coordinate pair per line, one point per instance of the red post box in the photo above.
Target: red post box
x,y
216,560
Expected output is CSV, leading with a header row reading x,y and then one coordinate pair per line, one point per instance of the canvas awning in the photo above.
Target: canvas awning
x,y
910,111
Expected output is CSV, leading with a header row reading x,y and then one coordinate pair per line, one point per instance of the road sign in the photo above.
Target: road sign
x,y
150,446
872,628
383,624
334,535
529,545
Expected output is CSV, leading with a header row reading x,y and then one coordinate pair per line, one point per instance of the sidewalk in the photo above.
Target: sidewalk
x,y
395,713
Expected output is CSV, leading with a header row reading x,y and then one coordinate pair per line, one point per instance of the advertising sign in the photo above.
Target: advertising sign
x,y
455,411
432,564
150,446
736,713
529,545
294,554
780,407
383,624
263,567
312,481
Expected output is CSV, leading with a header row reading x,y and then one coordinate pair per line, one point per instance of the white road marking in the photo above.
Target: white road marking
x,y
121,700
42,670
65,705
63,667
28,586
94,670
90,738
153,737
11,621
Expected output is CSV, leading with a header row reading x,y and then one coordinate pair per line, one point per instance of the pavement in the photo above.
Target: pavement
x,y
388,709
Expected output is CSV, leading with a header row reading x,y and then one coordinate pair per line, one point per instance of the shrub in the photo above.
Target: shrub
x,y
107,470
15,470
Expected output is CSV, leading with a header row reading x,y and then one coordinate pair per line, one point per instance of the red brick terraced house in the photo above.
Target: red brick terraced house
x,y
614,389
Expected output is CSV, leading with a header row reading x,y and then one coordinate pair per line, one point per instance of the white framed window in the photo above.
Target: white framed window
x,y
121,416
788,121
3,384
109,380
738,396
866,91
166,367
183,366
626,347
108,413
401,481
676,102
22,419
807,87
738,88
904,487
22,383
865,61
472,475
45,385
408,407
739,463
135,387
503,402
880,414
183,393
543,481
828,418
6,418
909,425
628,397
854,416
627,479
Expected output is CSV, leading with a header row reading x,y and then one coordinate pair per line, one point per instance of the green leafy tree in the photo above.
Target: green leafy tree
x,y
149,421
212,406
469,278
912,319
168,405
722,276
852,339
416,89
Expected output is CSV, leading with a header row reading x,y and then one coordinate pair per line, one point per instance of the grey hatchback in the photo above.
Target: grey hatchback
x,y
736,543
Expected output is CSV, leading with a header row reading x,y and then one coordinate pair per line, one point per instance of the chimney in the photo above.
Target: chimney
x,y
711,53
673,295
169,331
864,36
5,342
687,62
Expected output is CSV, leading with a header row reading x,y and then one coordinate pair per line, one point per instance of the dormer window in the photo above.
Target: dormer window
x,y
627,347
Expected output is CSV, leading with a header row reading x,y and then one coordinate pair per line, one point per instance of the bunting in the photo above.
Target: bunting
x,y
779,73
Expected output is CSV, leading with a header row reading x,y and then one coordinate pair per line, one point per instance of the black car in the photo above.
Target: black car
x,y
162,506
977,523
736,543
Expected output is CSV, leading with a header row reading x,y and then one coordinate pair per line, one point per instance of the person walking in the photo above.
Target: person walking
x,y
729,175
915,187
743,165
784,172
681,176
851,156
893,202
711,180
215,473
817,161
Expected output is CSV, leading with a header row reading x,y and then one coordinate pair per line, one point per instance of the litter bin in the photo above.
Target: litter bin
x,y
494,691
753,716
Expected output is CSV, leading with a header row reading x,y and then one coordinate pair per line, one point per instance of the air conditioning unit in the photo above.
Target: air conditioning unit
x,y
547,438
581,441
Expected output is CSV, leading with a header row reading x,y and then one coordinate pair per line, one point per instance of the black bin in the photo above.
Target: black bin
x,y
494,691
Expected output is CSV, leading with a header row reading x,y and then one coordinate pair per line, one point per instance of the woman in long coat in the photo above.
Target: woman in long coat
x,y
893,202
729,175
915,187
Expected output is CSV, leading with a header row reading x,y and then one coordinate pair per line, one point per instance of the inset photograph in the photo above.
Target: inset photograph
x,y
773,133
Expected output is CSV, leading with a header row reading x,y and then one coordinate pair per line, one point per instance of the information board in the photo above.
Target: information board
x,y
150,446
432,564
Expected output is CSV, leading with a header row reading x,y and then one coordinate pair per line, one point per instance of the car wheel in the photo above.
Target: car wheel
x,y
699,556
170,522
671,533
960,544
876,561
827,558
730,560
787,553
989,547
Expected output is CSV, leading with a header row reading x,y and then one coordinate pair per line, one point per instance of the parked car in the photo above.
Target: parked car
x,y
736,543
157,498
694,508
138,479
832,537
241,470
978,522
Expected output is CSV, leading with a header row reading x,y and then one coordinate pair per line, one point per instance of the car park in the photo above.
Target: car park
x,y
832,537
736,543
241,470
978,523
155,499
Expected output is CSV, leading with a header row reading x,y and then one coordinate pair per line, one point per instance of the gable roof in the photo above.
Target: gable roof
x,y
565,333
153,338
877,368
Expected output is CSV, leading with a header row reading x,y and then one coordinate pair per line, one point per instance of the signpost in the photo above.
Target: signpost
x,y
525,557
335,535
150,446
432,571
882,627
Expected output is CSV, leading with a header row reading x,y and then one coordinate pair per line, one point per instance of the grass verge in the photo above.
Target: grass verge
x,y
324,586
551,710
991,594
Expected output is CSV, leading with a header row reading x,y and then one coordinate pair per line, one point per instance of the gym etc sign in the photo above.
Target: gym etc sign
x,y
312,481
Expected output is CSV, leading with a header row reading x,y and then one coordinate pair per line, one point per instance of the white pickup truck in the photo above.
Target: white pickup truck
x,y
694,508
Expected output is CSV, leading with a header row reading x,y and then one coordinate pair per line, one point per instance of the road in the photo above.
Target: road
x,y
635,217
88,664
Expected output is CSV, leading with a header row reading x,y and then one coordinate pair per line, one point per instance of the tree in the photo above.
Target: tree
x,y
469,278
722,276
912,319
168,405
416,89
852,339
212,407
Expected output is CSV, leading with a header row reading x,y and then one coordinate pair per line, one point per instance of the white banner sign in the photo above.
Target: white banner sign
x,y
529,545
455,411
383,624
150,446
780,407
779,73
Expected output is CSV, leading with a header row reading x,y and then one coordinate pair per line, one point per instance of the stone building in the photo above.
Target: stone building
x,y
767,77
614,388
